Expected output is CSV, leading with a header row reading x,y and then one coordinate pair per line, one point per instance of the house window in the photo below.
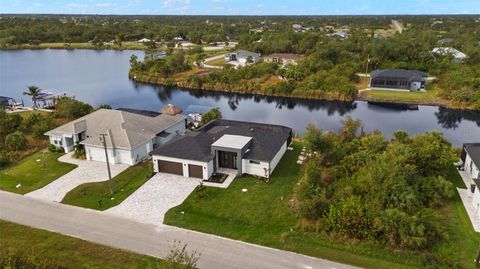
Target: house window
x,y
254,162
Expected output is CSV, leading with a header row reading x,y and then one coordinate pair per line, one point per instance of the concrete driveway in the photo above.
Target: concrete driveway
x,y
87,171
150,202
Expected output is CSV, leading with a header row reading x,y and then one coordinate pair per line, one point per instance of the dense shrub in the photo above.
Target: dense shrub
x,y
15,141
362,186
71,108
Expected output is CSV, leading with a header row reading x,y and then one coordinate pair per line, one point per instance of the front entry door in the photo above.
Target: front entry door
x,y
227,159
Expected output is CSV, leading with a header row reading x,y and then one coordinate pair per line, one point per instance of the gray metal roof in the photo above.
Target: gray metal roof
x,y
266,140
410,75
473,150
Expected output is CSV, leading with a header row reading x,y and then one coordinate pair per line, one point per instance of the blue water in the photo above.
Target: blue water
x,y
101,77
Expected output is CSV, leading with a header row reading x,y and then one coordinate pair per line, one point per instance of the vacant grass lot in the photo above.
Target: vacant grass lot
x,y
216,62
428,97
52,250
262,216
124,184
34,172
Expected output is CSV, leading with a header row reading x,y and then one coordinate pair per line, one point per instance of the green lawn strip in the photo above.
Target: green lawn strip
x,y
33,174
397,96
49,250
124,184
463,242
262,215
216,62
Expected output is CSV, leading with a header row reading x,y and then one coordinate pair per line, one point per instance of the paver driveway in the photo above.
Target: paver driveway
x,y
87,171
150,202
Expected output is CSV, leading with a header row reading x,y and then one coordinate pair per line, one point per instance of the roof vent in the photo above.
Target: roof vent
x,y
251,129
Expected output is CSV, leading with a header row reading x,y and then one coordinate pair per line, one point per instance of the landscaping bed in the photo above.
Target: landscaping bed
x,y
217,178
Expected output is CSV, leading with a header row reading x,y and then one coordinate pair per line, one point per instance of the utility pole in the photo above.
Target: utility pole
x,y
104,142
366,66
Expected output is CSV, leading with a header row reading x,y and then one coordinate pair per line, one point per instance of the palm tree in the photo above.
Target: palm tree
x,y
33,91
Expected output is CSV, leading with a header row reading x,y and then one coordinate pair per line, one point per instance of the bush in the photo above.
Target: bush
x,y
53,148
16,141
71,108
4,160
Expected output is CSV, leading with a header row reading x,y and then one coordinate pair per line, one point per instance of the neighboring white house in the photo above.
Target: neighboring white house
x,y
144,40
130,135
471,165
240,58
248,148
458,56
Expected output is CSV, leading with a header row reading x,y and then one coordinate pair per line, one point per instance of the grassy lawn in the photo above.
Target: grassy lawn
x,y
44,249
427,97
34,172
216,62
262,216
124,184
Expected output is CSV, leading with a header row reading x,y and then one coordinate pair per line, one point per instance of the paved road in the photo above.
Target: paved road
x,y
118,232
397,26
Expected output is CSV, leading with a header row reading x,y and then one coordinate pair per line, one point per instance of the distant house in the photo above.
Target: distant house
x,y
445,41
329,28
298,28
282,58
339,35
246,147
398,79
240,58
458,56
471,165
130,134
144,40
178,38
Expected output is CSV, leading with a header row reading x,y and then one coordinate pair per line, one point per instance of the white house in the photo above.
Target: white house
x,y
144,40
130,135
240,58
471,165
248,148
458,56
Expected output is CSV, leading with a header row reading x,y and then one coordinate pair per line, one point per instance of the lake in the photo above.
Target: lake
x,y
101,77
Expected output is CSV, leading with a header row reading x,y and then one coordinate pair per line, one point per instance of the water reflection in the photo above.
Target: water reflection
x,y
101,77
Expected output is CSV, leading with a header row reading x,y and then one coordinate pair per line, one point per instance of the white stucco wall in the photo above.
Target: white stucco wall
x,y
276,159
471,168
207,166
260,170
94,153
174,130
141,151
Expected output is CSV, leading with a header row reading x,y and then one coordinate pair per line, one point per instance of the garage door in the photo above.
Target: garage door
x,y
170,167
195,171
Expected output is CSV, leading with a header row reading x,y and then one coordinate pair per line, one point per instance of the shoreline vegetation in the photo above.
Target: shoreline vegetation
x,y
184,80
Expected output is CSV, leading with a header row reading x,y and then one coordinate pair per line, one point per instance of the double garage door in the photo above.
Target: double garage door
x,y
177,169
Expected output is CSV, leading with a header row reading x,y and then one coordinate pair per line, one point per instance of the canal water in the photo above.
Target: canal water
x,y
101,77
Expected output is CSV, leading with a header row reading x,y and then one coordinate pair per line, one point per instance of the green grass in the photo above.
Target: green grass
x,y
34,174
427,97
216,62
124,184
262,216
48,250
